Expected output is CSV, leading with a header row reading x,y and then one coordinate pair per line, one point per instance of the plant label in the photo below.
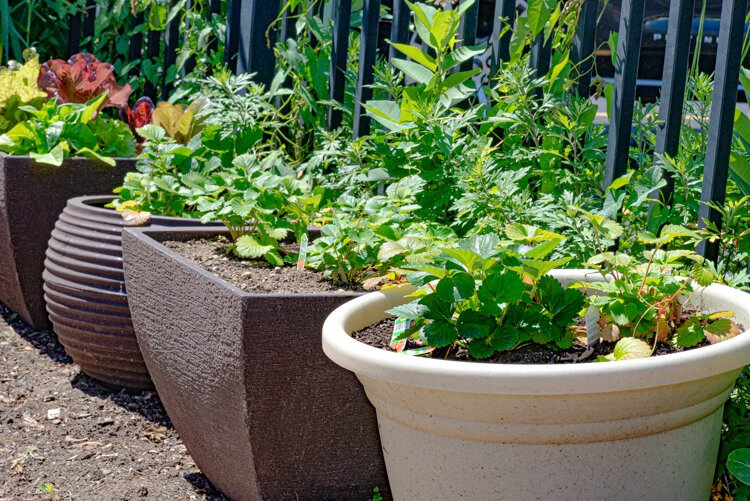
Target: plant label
x,y
401,326
302,252
418,351
593,329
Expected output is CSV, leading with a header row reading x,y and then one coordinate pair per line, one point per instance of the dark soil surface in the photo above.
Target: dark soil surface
x,y
250,275
106,445
379,336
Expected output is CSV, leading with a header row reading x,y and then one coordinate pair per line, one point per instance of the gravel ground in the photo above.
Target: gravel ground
x,y
104,445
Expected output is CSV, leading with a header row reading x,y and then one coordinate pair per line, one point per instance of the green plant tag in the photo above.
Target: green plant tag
x,y
303,243
593,329
401,326
418,351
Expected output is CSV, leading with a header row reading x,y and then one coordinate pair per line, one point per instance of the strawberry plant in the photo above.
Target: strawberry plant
x,y
642,300
489,296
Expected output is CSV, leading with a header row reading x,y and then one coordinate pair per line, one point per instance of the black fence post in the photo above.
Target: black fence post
x,y
214,8
541,55
74,34
255,54
171,43
674,81
342,12
468,31
153,46
399,26
89,19
136,43
232,43
288,25
584,45
505,14
368,49
720,132
626,74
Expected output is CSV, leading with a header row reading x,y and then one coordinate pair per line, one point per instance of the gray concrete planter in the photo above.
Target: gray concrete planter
x,y
84,288
243,377
32,196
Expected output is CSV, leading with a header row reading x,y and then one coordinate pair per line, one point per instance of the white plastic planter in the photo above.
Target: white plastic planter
x,y
637,429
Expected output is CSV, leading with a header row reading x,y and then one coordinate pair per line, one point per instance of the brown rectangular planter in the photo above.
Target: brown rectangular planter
x,y
32,196
243,377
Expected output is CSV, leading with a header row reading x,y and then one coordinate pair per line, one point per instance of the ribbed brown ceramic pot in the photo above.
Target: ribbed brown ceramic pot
x,y
84,288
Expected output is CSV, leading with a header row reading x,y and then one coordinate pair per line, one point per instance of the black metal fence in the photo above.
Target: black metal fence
x,y
249,48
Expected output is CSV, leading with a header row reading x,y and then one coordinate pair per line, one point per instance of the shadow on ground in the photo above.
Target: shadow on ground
x,y
204,487
45,342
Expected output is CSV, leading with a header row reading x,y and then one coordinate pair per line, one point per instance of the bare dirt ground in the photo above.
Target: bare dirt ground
x,y
105,445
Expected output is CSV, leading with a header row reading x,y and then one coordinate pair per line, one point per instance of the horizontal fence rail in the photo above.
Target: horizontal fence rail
x,y
253,26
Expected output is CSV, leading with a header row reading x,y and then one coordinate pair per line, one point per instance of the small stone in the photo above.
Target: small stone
x,y
53,414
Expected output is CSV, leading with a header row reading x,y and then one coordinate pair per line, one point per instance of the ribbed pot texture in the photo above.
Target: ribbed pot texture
x,y
84,288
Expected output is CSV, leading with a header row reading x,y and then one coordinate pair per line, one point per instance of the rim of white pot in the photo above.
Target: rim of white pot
x,y
529,379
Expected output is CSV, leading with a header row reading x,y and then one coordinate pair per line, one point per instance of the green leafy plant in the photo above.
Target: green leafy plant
x,y
643,299
18,88
487,297
53,132
369,240
261,204
257,197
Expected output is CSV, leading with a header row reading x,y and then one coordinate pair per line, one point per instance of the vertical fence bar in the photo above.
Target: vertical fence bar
x,y
342,13
136,43
728,60
399,26
171,43
368,47
505,14
255,53
288,25
541,55
232,43
314,9
89,19
626,74
468,30
74,34
214,8
584,45
153,43
189,64
674,81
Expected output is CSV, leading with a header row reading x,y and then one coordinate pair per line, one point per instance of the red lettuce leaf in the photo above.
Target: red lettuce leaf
x,y
80,79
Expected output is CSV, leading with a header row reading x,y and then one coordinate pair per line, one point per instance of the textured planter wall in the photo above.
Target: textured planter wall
x,y
31,198
85,292
243,377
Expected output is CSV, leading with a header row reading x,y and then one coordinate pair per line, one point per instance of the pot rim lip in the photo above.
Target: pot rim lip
x,y
85,202
144,235
27,157
528,379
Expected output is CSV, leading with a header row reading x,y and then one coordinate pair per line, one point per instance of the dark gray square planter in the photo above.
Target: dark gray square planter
x,y
243,377
32,196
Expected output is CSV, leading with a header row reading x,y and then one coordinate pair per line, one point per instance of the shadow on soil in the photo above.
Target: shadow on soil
x,y
143,403
204,487
45,342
